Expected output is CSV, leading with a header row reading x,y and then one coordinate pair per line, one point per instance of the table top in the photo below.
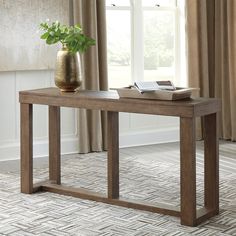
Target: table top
x,y
110,101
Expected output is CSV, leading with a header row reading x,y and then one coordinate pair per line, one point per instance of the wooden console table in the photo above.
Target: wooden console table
x,y
187,110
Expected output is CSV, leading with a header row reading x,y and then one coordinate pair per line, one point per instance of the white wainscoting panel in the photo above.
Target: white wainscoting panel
x,y
139,129
135,129
32,80
68,121
140,121
8,107
124,122
11,84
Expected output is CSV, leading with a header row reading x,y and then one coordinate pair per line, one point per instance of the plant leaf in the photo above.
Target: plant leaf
x,y
44,36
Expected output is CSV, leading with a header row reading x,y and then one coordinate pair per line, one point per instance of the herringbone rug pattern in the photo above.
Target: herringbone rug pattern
x,y
149,173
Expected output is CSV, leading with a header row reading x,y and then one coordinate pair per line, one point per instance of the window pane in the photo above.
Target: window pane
x,y
159,46
118,2
119,48
162,3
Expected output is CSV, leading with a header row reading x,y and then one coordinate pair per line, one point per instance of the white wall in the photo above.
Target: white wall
x,y
135,129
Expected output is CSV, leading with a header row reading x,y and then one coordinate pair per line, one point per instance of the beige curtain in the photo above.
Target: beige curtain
x,y
211,37
90,14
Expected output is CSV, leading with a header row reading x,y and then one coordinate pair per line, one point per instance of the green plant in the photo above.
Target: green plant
x,y
71,37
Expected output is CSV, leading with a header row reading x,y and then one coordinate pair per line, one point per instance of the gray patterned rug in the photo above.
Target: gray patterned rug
x,y
148,173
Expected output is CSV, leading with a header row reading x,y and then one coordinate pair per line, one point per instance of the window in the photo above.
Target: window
x,y
144,41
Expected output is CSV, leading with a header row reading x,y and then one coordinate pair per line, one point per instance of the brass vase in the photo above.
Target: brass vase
x,y
68,71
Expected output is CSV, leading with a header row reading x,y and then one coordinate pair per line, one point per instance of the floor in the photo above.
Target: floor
x,y
147,173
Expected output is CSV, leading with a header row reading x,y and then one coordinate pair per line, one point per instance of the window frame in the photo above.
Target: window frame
x,y
136,21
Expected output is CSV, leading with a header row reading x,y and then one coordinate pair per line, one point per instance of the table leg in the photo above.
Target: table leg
x,y
54,145
113,154
211,149
26,143
188,171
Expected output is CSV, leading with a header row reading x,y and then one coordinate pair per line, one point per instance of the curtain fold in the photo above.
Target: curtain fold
x,y
211,35
90,14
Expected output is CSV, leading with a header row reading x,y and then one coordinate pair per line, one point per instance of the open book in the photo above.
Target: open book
x,y
149,86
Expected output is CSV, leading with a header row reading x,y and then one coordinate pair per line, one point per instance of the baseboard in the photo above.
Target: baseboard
x,y
69,144
11,151
149,137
